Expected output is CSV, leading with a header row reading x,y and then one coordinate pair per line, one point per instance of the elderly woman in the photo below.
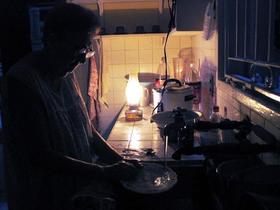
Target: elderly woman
x,y
50,142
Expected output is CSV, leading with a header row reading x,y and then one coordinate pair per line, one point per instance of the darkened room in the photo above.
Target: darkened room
x,y
140,104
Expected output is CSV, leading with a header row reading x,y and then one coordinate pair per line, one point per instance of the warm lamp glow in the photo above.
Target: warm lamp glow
x,y
133,91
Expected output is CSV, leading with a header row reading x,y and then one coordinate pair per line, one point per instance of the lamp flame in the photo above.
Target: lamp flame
x,y
133,91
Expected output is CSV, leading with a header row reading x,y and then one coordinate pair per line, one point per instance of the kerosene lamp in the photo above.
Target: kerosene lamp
x,y
133,95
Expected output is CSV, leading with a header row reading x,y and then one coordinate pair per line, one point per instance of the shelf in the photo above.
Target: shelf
x,y
260,63
255,87
100,3
136,35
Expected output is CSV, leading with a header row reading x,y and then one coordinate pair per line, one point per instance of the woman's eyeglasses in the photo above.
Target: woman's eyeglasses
x,y
88,51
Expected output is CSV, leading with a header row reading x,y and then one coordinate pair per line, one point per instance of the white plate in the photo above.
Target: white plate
x,y
153,178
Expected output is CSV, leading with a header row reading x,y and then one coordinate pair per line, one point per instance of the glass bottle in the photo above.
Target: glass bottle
x,y
161,70
214,135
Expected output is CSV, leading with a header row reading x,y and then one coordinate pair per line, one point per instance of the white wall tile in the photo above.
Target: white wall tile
x,y
145,43
185,42
107,55
146,67
158,42
117,43
157,55
131,43
132,68
118,57
173,42
131,56
106,44
119,71
145,56
111,72
172,53
119,85
155,67
196,41
119,97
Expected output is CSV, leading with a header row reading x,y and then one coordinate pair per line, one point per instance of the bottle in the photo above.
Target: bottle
x,y
195,73
214,134
215,117
211,136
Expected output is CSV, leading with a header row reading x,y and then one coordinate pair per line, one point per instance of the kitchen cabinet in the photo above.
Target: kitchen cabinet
x,y
129,14
250,53
190,15
147,13
250,26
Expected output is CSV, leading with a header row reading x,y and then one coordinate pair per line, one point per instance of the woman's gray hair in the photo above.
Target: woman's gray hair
x,y
69,18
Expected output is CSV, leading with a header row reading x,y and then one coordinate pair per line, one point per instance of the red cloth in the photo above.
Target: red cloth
x,y
93,85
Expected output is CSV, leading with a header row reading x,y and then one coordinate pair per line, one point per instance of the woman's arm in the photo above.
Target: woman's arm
x,y
104,151
25,112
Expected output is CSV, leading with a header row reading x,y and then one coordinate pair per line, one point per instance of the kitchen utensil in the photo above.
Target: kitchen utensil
x,y
164,118
151,179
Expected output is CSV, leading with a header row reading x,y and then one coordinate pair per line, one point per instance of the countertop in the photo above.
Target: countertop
x,y
141,135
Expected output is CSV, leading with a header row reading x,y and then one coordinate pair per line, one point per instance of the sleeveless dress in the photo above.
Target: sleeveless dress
x,y
60,123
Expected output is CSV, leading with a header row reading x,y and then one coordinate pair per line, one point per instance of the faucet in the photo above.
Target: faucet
x,y
268,79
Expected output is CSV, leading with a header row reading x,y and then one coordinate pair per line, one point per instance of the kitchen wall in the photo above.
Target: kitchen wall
x,y
261,112
238,103
124,54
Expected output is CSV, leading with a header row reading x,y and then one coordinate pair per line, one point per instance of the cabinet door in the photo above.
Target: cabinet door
x,y
190,14
275,26
248,28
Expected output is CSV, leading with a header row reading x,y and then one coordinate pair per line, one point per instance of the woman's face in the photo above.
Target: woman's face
x,y
74,50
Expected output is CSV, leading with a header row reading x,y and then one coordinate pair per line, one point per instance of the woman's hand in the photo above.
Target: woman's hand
x,y
121,171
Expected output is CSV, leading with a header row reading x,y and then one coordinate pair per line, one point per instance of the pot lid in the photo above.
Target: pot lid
x,y
183,88
163,118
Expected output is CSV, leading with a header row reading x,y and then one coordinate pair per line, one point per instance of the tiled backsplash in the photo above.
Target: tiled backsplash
x,y
136,53
238,104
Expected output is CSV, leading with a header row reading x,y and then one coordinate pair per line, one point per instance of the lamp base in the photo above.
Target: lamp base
x,y
133,114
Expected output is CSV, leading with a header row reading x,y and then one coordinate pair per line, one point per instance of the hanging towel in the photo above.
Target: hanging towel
x,y
104,76
93,84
